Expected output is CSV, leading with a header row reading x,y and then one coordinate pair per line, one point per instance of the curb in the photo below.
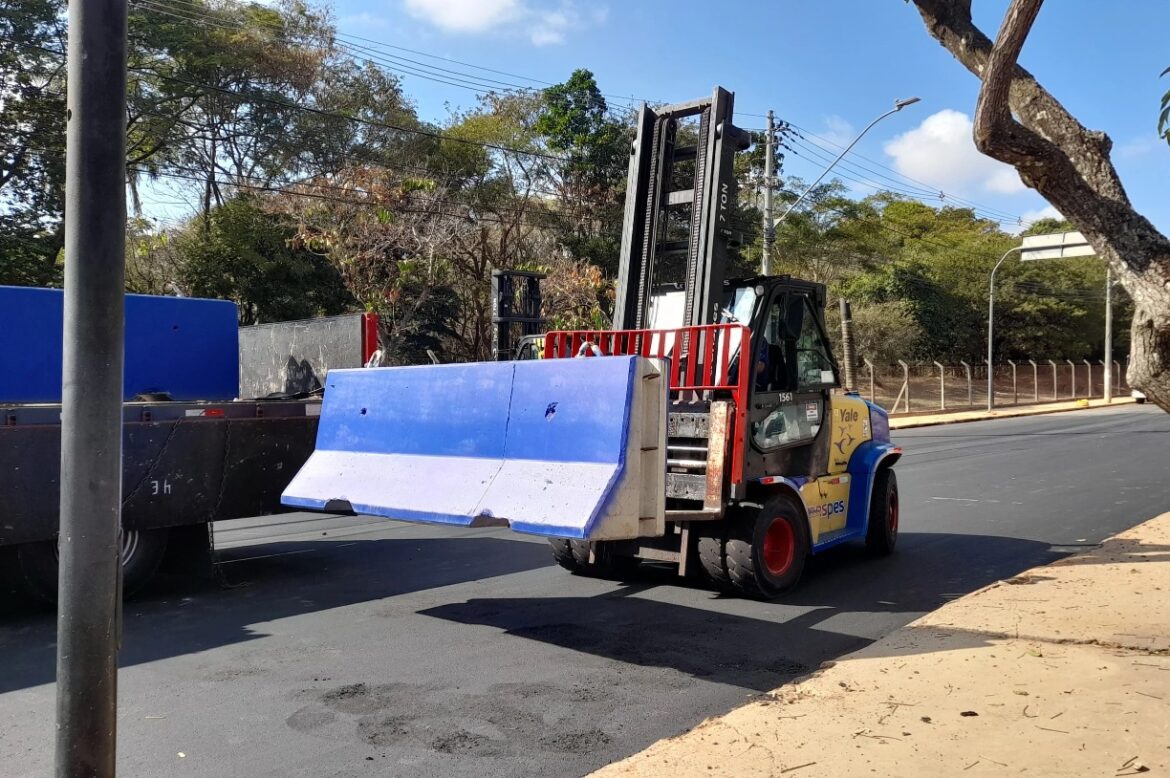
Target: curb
x,y
911,423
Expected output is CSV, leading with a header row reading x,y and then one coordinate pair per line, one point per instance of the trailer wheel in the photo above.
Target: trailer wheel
x,y
882,535
142,552
765,551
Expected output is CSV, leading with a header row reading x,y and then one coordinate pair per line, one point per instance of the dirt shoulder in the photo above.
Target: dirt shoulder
x,y
1061,671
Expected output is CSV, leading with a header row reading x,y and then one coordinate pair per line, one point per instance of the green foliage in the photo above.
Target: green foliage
x,y
1164,116
32,173
241,252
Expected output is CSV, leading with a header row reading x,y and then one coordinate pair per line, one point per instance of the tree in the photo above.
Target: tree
x,y
1019,122
32,142
575,121
246,253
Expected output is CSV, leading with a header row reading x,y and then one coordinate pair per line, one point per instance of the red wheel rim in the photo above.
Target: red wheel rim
x,y
779,547
892,511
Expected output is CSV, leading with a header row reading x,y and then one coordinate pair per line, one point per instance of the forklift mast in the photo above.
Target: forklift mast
x,y
516,311
679,201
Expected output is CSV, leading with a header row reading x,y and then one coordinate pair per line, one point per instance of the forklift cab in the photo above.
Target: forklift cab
x,y
793,374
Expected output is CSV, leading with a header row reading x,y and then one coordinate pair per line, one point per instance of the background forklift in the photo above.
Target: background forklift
x,y
704,429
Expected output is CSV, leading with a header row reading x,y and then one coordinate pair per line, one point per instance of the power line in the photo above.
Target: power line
x,y
319,111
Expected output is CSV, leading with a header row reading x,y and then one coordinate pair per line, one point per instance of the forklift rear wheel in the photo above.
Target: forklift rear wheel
x,y
142,553
882,535
765,553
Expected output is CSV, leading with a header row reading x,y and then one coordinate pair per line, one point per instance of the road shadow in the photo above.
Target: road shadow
x,y
846,600
759,646
262,583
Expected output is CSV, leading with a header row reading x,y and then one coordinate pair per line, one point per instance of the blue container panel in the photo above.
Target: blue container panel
x,y
186,347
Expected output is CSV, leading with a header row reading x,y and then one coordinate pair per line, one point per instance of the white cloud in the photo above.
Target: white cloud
x,y
464,15
363,21
543,26
940,151
1030,216
1139,146
838,130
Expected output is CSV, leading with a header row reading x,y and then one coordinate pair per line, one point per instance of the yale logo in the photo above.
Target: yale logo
x,y
848,414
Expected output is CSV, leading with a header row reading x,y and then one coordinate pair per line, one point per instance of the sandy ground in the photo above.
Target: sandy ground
x,y
1061,671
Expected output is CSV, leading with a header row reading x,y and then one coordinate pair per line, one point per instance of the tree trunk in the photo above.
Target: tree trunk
x,y
1018,122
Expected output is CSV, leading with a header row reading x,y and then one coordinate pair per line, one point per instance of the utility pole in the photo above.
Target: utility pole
x,y
89,591
769,184
848,349
1108,334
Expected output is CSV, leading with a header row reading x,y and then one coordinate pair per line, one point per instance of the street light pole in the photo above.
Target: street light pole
x,y
1108,333
898,105
991,328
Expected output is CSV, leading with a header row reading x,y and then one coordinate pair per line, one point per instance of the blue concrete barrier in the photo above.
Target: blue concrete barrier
x,y
542,446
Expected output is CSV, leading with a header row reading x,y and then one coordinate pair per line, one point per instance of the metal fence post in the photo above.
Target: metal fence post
x,y
1035,381
942,387
970,398
872,396
990,385
905,383
1072,367
1015,390
1089,369
1054,381
1117,375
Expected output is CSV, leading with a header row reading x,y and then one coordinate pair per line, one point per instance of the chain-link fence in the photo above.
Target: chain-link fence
x,y
920,388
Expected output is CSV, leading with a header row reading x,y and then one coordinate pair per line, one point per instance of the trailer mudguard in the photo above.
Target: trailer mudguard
x,y
570,448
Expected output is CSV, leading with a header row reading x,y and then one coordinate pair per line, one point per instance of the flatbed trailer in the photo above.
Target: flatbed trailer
x,y
184,465
192,452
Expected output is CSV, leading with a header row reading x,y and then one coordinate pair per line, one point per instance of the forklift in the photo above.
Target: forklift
x,y
707,428
754,483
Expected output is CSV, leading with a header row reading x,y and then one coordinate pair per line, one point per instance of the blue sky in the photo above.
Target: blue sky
x,y
827,66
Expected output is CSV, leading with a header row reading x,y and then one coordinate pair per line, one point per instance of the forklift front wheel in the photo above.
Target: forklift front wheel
x,y
573,555
765,553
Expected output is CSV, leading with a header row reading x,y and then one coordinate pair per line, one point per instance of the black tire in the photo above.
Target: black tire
x,y
709,550
573,555
884,509
765,550
37,567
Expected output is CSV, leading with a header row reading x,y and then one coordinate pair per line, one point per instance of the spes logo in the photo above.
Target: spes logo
x,y
826,510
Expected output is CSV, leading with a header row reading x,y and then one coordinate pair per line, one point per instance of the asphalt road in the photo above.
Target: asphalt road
x,y
361,647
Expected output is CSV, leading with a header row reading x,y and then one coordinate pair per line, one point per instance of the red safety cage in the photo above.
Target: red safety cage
x,y
700,359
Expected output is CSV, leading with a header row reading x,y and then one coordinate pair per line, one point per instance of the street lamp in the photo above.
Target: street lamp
x,y
991,326
898,105
1058,245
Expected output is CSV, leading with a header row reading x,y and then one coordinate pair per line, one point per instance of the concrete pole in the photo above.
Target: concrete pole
x,y
1108,334
769,172
1035,381
89,591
